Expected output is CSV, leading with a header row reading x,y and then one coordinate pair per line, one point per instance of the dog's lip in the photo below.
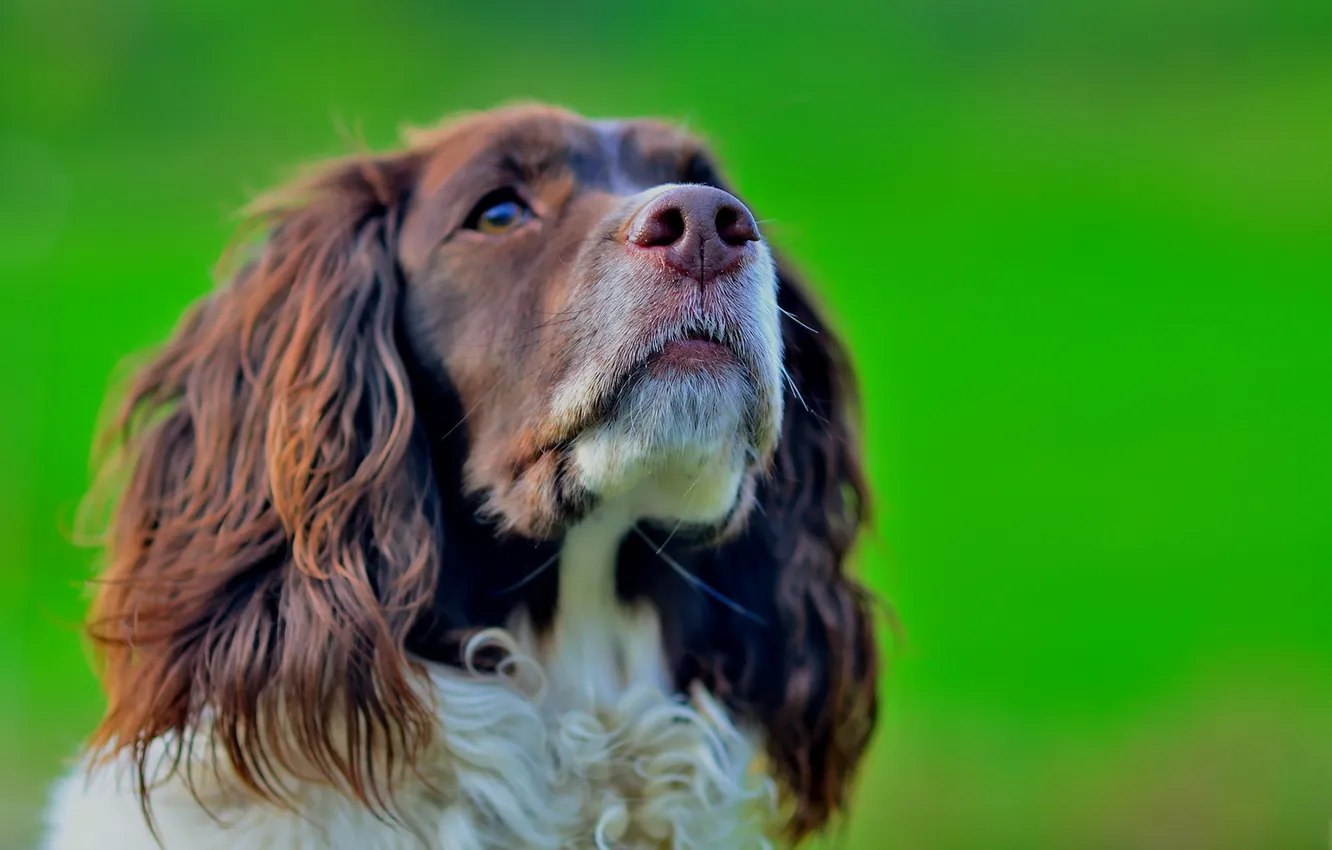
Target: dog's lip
x,y
690,353
698,335
689,336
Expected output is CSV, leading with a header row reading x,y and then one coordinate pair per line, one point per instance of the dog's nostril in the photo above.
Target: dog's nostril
x,y
735,226
664,227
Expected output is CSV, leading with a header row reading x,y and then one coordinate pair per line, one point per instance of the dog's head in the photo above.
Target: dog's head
x,y
439,360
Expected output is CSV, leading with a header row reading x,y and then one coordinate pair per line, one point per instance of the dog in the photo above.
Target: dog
x,y
501,496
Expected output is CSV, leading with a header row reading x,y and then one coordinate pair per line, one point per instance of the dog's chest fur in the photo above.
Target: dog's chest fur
x,y
578,743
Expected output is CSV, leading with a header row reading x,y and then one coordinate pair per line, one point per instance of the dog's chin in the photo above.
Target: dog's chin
x,y
678,446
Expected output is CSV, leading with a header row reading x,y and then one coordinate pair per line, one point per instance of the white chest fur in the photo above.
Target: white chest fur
x,y
579,744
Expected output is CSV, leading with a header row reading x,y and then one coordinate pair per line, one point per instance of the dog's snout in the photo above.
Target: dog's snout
x,y
700,230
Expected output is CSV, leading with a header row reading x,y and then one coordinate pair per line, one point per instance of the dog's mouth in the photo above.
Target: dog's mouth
x,y
688,359
696,350
677,355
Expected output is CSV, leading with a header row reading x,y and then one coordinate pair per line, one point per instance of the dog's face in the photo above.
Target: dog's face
x,y
607,317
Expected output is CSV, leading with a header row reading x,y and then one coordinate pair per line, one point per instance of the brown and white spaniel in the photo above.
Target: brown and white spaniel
x,y
501,498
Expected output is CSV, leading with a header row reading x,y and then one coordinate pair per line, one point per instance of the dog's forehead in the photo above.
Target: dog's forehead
x,y
642,153
616,155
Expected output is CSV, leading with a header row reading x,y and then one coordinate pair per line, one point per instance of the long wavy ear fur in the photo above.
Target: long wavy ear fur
x,y
820,705
277,534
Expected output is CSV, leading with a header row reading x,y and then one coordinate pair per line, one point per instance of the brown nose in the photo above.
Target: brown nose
x,y
700,230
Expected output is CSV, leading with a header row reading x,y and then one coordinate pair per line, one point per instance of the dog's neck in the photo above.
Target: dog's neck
x,y
601,646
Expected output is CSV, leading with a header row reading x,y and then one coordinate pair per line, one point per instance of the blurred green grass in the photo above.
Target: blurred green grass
x,y
1083,254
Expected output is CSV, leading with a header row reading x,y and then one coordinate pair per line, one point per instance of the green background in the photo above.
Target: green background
x,y
1083,255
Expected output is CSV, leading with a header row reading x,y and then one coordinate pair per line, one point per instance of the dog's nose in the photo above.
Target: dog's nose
x,y
700,230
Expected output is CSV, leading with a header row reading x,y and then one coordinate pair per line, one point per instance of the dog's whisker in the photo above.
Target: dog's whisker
x,y
527,579
679,523
489,394
796,319
700,585
795,390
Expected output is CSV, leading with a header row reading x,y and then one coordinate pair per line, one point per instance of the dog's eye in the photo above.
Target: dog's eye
x,y
498,212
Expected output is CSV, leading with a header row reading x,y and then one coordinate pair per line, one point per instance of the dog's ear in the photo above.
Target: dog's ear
x,y
277,536
822,704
